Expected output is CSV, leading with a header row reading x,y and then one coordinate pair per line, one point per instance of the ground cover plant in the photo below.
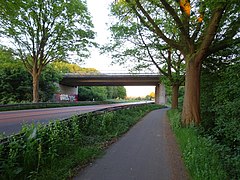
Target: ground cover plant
x,y
55,150
201,154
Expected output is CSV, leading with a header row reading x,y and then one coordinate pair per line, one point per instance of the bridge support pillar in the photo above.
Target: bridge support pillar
x,y
160,94
68,89
67,93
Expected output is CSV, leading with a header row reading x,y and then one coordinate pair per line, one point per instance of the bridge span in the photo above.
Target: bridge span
x,y
70,82
73,79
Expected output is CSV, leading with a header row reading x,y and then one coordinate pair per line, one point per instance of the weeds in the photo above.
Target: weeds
x,y
52,151
200,154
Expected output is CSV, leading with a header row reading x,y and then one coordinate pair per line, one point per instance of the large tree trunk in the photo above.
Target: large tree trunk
x,y
175,89
191,103
35,78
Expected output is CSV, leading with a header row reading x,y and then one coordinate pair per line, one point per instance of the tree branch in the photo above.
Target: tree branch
x,y
154,27
222,45
178,21
210,32
150,55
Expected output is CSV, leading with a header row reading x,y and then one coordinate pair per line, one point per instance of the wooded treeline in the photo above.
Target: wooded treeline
x,y
16,82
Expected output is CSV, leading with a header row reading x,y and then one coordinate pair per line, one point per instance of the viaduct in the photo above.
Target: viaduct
x,y
70,82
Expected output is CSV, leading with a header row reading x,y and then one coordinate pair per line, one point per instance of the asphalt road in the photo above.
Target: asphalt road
x,y
11,121
147,152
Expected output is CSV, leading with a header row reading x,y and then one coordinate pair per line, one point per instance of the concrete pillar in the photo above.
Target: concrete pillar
x,y
66,93
160,94
157,92
68,90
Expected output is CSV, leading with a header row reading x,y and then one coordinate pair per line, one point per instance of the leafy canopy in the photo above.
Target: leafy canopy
x,y
47,30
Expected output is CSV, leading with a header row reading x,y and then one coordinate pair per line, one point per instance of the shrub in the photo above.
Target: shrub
x,y
52,151
220,112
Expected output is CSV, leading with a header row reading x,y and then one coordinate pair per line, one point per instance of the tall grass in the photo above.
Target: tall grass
x,y
53,151
200,154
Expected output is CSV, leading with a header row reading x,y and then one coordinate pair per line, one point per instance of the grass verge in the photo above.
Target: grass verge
x,y
54,151
199,153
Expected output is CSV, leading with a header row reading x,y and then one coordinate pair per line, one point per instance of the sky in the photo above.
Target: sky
x,y
99,10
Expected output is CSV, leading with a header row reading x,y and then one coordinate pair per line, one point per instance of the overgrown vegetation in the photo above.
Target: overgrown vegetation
x,y
220,111
201,154
101,93
16,82
53,151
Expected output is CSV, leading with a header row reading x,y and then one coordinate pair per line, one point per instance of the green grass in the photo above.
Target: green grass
x,y
199,153
54,151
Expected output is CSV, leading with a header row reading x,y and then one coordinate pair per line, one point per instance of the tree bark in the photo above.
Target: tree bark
x,y
191,103
175,89
35,78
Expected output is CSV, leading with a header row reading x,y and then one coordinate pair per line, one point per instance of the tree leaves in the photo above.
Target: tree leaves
x,y
44,31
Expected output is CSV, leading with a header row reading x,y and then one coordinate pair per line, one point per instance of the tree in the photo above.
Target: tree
x,y
15,81
90,93
133,43
152,95
65,67
202,28
114,92
121,91
44,31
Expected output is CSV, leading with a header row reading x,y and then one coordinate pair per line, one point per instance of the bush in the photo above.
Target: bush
x,y
52,151
220,112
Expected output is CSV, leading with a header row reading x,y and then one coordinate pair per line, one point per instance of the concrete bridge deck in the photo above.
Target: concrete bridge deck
x,y
73,79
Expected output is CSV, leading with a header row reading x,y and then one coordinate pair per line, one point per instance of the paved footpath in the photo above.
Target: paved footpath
x,y
147,152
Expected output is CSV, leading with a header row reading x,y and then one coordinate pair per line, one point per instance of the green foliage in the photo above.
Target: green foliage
x,y
45,31
65,67
114,92
220,111
91,93
135,44
53,28
16,82
201,154
52,151
196,29
100,93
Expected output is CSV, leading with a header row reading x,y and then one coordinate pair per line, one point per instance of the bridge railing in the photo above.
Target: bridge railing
x,y
112,74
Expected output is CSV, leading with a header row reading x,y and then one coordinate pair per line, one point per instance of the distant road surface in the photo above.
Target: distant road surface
x,y
11,121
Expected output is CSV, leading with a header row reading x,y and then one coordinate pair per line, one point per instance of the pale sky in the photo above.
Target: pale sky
x,y
99,10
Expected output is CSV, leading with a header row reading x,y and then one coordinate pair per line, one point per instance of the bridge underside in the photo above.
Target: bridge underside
x,y
107,80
